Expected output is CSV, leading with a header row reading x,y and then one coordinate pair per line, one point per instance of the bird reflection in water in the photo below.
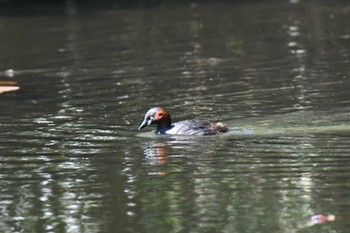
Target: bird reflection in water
x,y
157,154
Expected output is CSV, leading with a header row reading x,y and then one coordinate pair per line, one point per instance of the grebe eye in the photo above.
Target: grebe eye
x,y
149,120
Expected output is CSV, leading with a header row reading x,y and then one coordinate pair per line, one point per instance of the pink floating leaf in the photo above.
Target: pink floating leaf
x,y
4,89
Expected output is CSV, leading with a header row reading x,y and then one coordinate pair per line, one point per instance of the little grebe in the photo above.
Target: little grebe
x,y
161,118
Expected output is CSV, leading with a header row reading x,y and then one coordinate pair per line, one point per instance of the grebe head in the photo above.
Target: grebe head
x,y
158,116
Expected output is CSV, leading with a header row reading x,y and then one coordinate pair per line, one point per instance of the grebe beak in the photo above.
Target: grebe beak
x,y
146,122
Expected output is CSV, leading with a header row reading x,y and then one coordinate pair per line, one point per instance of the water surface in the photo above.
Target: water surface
x,y
276,72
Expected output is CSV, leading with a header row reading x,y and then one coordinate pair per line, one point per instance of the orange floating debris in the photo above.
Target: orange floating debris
x,y
11,83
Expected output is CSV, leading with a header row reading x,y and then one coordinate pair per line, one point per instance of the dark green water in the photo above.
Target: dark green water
x,y
276,72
